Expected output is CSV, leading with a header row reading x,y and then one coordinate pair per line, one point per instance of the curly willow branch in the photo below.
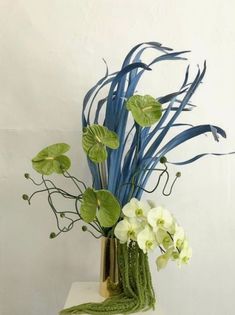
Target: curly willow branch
x,y
137,290
65,220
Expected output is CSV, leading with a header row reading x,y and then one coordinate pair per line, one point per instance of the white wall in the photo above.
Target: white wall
x,y
50,54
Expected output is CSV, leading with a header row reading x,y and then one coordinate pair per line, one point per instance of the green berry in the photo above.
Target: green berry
x,y
25,197
163,160
52,235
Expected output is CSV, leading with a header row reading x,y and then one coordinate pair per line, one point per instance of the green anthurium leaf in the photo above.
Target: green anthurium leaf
x,y
53,150
146,110
108,208
62,163
45,167
111,140
51,159
95,139
89,205
100,204
98,153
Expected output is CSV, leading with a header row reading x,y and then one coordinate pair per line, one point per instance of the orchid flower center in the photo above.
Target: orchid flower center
x,y
185,259
179,243
139,212
175,255
166,241
149,244
131,233
160,222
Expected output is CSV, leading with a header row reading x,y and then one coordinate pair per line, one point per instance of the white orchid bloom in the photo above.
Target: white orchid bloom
x,y
146,239
160,218
163,259
127,230
136,209
164,238
185,254
179,237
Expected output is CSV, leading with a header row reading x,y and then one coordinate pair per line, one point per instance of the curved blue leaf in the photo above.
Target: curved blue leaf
x,y
199,156
186,77
153,148
167,98
95,95
170,56
89,95
110,117
173,143
189,134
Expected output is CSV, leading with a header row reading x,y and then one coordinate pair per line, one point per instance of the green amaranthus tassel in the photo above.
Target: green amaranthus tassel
x,y
137,290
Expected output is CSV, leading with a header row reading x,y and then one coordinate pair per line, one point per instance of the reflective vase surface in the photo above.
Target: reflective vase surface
x,y
109,275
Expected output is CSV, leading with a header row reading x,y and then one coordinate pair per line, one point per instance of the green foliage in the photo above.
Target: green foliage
x,y
146,110
52,159
137,291
89,205
100,204
95,139
108,208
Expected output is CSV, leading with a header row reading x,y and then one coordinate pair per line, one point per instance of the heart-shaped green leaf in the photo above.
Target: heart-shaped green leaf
x,y
146,110
109,208
100,204
89,205
51,159
95,139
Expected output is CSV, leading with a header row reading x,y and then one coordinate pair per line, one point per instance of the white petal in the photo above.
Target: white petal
x,y
144,206
163,259
136,208
135,228
179,236
160,217
162,262
163,238
128,210
121,231
152,217
185,256
167,218
146,239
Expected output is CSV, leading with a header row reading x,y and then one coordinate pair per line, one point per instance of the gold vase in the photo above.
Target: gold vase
x,y
109,276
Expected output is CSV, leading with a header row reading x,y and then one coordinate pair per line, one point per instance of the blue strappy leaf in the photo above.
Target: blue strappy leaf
x,y
199,156
141,148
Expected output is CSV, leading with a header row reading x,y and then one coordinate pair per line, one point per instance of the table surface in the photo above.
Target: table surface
x,y
83,292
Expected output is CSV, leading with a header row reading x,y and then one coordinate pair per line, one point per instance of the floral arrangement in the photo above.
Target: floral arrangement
x,y
152,227
125,138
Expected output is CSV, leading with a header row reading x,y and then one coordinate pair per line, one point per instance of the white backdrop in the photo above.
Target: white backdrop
x,y
50,54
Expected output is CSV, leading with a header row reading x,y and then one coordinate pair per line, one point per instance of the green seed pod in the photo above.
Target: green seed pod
x,y
178,174
163,160
25,197
52,235
84,228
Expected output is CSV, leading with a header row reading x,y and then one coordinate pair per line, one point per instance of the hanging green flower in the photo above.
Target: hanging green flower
x,y
146,110
100,204
52,159
95,139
